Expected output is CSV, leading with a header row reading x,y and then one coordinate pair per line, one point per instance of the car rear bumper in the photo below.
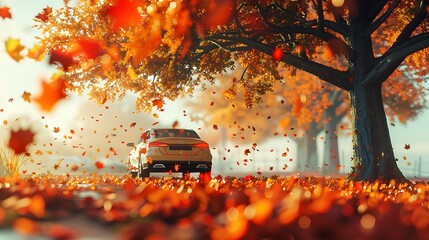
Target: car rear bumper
x,y
180,166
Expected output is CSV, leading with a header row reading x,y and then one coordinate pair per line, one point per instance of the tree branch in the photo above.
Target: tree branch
x,y
411,26
330,75
387,64
376,8
377,23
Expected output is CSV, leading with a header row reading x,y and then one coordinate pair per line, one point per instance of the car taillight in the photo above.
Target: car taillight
x,y
157,144
201,145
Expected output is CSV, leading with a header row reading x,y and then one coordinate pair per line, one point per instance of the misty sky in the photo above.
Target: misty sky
x,y
105,128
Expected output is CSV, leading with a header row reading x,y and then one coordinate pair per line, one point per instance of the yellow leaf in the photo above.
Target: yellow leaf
x,y
37,52
14,48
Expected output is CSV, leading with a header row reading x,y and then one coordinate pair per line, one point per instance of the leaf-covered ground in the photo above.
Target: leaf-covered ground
x,y
214,208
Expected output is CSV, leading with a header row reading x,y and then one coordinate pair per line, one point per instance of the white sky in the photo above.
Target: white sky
x,y
15,78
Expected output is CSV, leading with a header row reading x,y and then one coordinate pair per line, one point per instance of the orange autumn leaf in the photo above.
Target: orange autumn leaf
x,y
133,124
37,53
19,140
5,13
75,167
99,165
26,96
56,129
124,13
25,226
175,124
45,14
407,146
37,206
14,48
52,92
158,103
143,151
176,167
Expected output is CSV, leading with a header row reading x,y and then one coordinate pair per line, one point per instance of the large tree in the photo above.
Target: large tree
x,y
163,49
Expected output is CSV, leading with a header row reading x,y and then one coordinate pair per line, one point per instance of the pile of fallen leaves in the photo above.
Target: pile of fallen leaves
x,y
219,208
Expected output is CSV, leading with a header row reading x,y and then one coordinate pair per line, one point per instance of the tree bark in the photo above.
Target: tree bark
x,y
373,157
331,158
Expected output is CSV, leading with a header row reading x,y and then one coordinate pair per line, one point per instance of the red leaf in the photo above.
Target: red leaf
x,y
211,19
65,58
99,165
5,13
124,13
19,140
158,103
278,54
90,48
45,14
52,92
407,146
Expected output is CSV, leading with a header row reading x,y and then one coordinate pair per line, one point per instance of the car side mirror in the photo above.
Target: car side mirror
x,y
130,144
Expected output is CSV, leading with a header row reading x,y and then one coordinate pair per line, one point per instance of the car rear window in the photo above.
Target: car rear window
x,y
160,133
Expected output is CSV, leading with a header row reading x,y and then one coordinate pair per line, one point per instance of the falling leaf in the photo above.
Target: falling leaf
x,y
278,54
52,92
124,13
19,140
26,96
215,127
5,13
176,167
158,103
14,48
65,58
75,167
211,104
25,226
407,146
175,124
56,129
133,124
37,53
99,165
45,14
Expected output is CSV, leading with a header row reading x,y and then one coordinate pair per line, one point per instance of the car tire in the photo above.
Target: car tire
x,y
145,173
142,172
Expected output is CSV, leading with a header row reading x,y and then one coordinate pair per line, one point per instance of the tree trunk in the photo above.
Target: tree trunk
x,y
331,158
373,157
307,150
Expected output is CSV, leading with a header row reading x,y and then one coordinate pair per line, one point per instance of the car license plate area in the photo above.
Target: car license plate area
x,y
180,147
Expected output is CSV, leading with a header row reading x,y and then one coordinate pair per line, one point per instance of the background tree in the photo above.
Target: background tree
x,y
164,49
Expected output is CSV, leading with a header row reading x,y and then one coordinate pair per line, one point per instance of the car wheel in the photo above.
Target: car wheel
x,y
142,173
145,173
